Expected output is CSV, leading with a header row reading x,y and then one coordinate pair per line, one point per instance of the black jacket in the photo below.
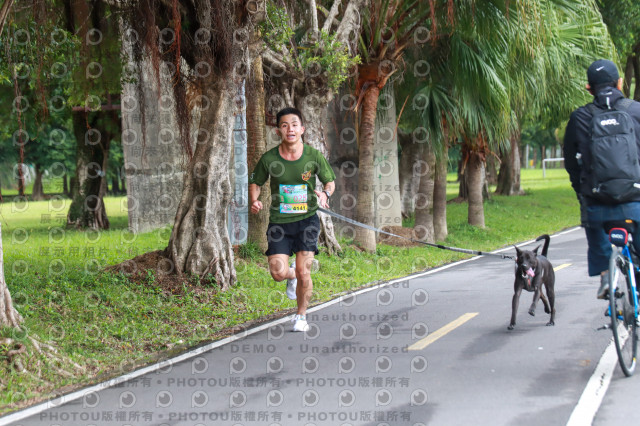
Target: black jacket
x,y
577,139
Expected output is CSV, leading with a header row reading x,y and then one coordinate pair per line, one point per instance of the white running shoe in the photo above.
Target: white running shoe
x,y
291,285
300,323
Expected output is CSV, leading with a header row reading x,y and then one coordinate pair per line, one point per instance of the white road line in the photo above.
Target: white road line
x,y
36,409
591,398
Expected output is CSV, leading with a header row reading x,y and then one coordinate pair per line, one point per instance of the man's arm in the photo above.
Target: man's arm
x,y
570,150
327,177
573,164
323,196
330,187
254,203
257,178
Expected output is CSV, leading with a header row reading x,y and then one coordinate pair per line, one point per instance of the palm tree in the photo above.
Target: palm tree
x,y
388,29
546,82
432,108
541,48
466,99
501,60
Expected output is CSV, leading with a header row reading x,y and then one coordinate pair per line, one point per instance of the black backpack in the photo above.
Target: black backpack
x,y
615,170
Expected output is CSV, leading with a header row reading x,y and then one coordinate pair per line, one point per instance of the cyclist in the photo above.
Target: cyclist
x,y
605,84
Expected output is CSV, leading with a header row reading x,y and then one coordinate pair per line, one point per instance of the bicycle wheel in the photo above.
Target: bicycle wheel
x,y
623,323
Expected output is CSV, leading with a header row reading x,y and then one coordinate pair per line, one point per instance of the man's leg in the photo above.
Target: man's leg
x,y
598,257
279,267
305,248
304,290
599,250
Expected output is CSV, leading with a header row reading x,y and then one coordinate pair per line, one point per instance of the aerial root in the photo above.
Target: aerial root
x,y
18,353
13,351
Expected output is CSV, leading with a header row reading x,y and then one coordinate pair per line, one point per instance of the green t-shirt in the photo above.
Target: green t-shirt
x,y
292,183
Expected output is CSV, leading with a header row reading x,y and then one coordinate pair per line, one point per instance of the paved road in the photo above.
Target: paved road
x,y
367,360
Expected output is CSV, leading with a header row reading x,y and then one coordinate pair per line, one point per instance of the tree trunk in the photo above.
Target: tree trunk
x,y
314,113
628,76
73,184
21,184
37,194
509,175
364,210
475,173
440,196
424,227
485,184
91,129
9,317
312,94
4,13
341,127
87,206
65,185
200,243
386,183
463,175
636,68
104,187
115,185
491,169
256,146
409,180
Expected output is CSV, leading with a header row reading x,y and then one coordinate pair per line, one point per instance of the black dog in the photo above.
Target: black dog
x,y
532,271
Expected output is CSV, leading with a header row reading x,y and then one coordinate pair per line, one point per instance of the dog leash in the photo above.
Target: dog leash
x,y
438,246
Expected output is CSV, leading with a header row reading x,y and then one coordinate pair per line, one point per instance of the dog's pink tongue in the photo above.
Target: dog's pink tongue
x,y
530,272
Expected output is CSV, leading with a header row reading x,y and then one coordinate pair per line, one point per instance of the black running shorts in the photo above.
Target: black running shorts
x,y
291,238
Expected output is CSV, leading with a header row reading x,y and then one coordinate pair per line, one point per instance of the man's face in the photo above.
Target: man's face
x,y
290,128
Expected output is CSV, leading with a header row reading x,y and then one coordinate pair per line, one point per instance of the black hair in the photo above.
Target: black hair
x,y
288,111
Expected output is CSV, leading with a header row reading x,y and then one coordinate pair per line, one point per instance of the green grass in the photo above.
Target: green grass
x,y
49,185
106,324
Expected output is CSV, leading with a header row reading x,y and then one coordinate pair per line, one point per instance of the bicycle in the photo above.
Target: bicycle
x,y
623,297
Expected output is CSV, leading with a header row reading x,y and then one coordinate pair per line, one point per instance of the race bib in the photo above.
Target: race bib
x,y
293,199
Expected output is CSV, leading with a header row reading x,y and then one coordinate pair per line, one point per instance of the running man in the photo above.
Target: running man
x,y
293,223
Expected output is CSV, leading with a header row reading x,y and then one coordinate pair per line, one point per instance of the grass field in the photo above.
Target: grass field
x,y
105,324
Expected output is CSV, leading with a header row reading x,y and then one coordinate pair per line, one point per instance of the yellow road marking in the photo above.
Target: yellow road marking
x,y
423,343
564,265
